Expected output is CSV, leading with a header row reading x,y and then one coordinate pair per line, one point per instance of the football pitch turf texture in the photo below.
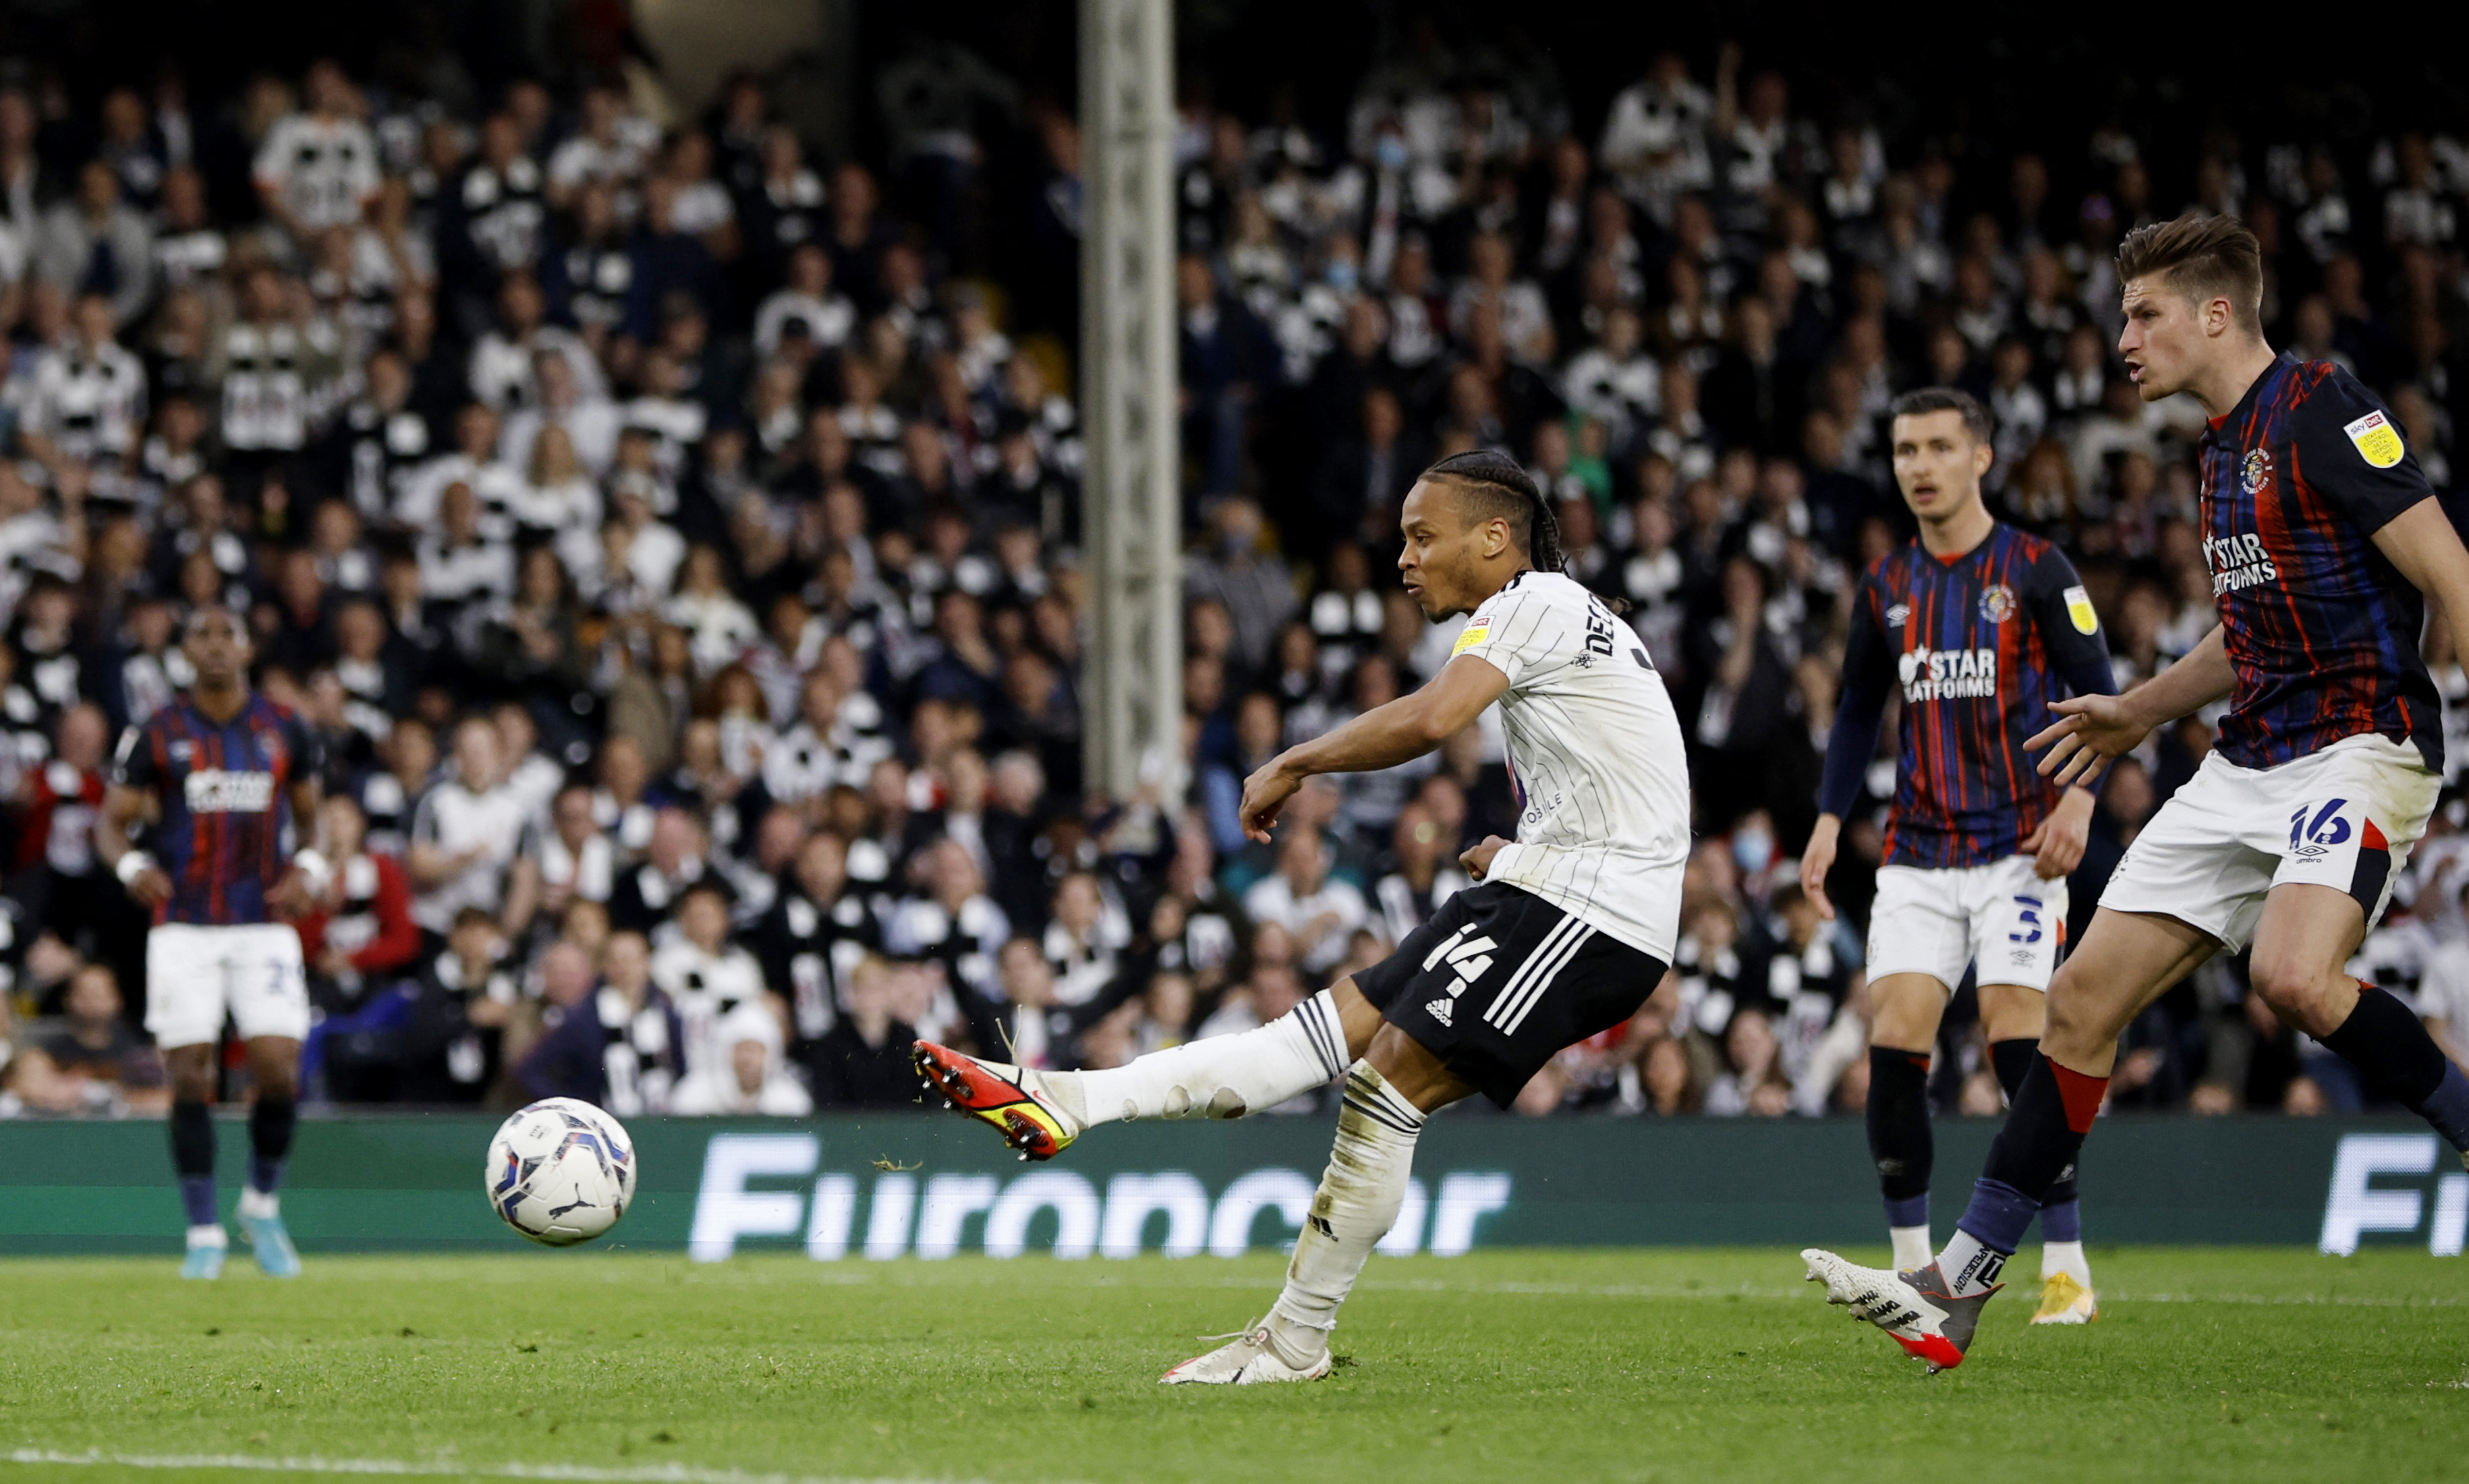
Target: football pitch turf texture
x,y
1527,1366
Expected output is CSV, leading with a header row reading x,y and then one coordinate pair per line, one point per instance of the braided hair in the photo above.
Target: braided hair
x,y
1501,489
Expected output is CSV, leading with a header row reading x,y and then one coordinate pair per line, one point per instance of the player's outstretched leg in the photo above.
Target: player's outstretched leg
x,y
275,1062
1359,1197
1041,1113
2066,1274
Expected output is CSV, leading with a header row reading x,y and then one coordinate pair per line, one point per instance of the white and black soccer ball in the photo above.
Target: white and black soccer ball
x,y
561,1171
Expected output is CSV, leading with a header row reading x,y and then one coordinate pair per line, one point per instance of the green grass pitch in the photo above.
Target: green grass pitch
x,y
2236,1364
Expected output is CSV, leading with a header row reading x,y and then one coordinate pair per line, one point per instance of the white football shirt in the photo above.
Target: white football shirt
x,y
1595,748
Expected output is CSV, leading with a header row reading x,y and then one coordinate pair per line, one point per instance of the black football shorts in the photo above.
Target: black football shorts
x,y
1499,981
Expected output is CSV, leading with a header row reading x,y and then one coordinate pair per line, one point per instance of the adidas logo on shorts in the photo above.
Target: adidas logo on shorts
x,y
1442,1009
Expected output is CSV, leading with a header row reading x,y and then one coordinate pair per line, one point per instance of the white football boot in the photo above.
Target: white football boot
x,y
1248,1359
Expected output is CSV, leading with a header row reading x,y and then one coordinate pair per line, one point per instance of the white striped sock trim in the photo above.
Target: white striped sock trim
x,y
1534,961
1516,1015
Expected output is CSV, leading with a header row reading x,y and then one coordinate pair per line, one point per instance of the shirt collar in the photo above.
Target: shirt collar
x,y
2219,429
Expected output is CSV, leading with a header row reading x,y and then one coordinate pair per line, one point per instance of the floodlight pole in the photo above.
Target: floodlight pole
x,y
1130,500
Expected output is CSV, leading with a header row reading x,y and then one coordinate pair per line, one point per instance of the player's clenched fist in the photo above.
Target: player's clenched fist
x,y
1477,859
1265,793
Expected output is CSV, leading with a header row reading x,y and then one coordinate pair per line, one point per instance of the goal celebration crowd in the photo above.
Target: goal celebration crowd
x,y
670,533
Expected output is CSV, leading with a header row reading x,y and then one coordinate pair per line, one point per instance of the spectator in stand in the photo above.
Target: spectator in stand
x,y
92,1060
362,930
460,1005
464,834
1321,911
705,975
862,1062
747,1076
616,1042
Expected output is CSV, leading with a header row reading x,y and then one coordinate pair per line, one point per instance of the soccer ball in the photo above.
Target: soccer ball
x,y
561,1171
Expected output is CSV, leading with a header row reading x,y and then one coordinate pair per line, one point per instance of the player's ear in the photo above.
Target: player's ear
x,y
1983,454
1495,536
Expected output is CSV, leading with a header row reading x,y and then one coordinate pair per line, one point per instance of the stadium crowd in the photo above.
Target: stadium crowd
x,y
670,534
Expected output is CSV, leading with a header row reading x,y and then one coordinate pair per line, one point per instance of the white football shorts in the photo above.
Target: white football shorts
x,y
2001,918
2344,818
197,973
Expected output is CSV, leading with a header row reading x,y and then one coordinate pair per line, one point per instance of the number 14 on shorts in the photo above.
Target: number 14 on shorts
x,y
1471,958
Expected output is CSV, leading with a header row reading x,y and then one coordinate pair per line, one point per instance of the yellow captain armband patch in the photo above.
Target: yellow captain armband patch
x,y
2079,609
1470,636
2378,441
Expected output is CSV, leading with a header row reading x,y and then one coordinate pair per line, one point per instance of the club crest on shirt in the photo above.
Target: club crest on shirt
x,y
2258,472
2378,441
1997,602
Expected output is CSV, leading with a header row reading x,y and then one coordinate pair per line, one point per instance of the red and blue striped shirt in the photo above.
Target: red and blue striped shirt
x,y
1976,646
226,796
2319,626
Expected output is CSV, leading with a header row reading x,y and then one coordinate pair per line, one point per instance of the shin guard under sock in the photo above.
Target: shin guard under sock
x,y
2013,1058
2036,1147
269,1142
1359,1197
192,1161
1898,1132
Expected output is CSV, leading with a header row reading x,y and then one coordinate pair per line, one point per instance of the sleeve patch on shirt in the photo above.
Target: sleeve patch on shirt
x,y
2378,441
2079,609
1472,635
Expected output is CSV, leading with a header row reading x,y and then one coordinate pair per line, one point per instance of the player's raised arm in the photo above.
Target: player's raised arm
x,y
1382,738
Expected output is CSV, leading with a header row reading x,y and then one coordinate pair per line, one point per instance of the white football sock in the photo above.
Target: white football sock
x,y
1357,1202
208,1236
1912,1251
1223,1076
2067,1258
1969,1265
258,1204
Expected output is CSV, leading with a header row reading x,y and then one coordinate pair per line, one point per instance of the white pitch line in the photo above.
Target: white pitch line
x,y
433,1468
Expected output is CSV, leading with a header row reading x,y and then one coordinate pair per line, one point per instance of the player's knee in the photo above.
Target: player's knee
x,y
2075,1020
2295,989
1904,1012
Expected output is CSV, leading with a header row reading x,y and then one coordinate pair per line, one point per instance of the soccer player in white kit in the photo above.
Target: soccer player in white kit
x,y
228,776
1570,928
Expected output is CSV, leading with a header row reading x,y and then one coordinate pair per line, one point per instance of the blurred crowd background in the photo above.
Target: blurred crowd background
x,y
668,512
